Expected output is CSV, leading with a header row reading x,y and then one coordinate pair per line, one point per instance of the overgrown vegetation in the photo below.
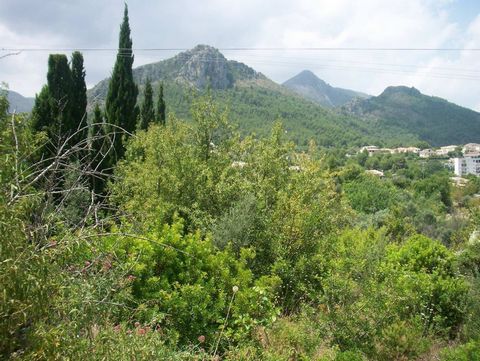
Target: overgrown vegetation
x,y
200,243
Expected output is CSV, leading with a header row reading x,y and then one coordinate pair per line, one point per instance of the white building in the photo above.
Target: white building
x,y
426,153
469,164
371,149
471,148
445,150
377,173
406,150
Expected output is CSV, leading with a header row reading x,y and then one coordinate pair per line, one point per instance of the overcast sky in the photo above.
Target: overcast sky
x,y
454,75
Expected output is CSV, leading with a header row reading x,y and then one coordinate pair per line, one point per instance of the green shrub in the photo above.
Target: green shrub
x,y
424,283
182,283
467,352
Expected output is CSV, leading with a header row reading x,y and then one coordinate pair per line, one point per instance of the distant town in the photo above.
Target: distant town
x,y
464,160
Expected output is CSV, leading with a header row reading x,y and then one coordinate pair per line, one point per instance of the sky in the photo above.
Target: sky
x,y
339,25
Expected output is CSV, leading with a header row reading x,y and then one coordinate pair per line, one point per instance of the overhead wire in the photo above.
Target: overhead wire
x,y
282,60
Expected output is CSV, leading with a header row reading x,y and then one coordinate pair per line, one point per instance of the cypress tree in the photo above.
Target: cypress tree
x,y
122,91
147,113
59,80
161,106
42,111
79,97
99,159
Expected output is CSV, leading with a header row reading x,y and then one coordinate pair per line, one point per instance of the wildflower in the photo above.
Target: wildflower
x,y
107,265
137,324
201,338
116,328
141,331
235,289
131,278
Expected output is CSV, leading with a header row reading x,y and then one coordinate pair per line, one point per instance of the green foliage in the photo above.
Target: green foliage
x,y
79,98
429,118
184,285
467,352
422,275
369,194
25,273
60,108
147,114
438,185
122,91
59,80
42,111
401,341
242,242
161,107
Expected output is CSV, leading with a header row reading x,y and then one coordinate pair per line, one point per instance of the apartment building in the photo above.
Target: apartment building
x,y
469,164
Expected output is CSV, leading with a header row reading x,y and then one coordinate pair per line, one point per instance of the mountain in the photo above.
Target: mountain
x,y
400,116
19,103
308,85
432,119
254,101
199,68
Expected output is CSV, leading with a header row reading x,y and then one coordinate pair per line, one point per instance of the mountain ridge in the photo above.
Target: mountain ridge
x,y
255,102
434,119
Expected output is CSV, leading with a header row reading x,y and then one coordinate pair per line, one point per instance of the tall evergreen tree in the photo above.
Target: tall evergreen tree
x,y
122,91
59,80
99,151
161,106
42,111
147,113
79,96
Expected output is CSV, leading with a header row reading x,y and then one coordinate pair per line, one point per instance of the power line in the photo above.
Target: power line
x,y
244,49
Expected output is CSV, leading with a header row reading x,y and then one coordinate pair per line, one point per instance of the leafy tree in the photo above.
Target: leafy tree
x,y
122,91
161,106
368,194
147,113
424,282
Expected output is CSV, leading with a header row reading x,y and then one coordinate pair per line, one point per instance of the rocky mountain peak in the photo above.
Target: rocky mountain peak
x,y
203,66
199,67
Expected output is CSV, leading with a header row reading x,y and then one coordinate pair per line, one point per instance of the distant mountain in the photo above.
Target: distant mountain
x,y
19,103
400,116
308,85
253,100
431,119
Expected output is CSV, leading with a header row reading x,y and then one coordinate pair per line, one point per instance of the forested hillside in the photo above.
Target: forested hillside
x,y
254,102
432,119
